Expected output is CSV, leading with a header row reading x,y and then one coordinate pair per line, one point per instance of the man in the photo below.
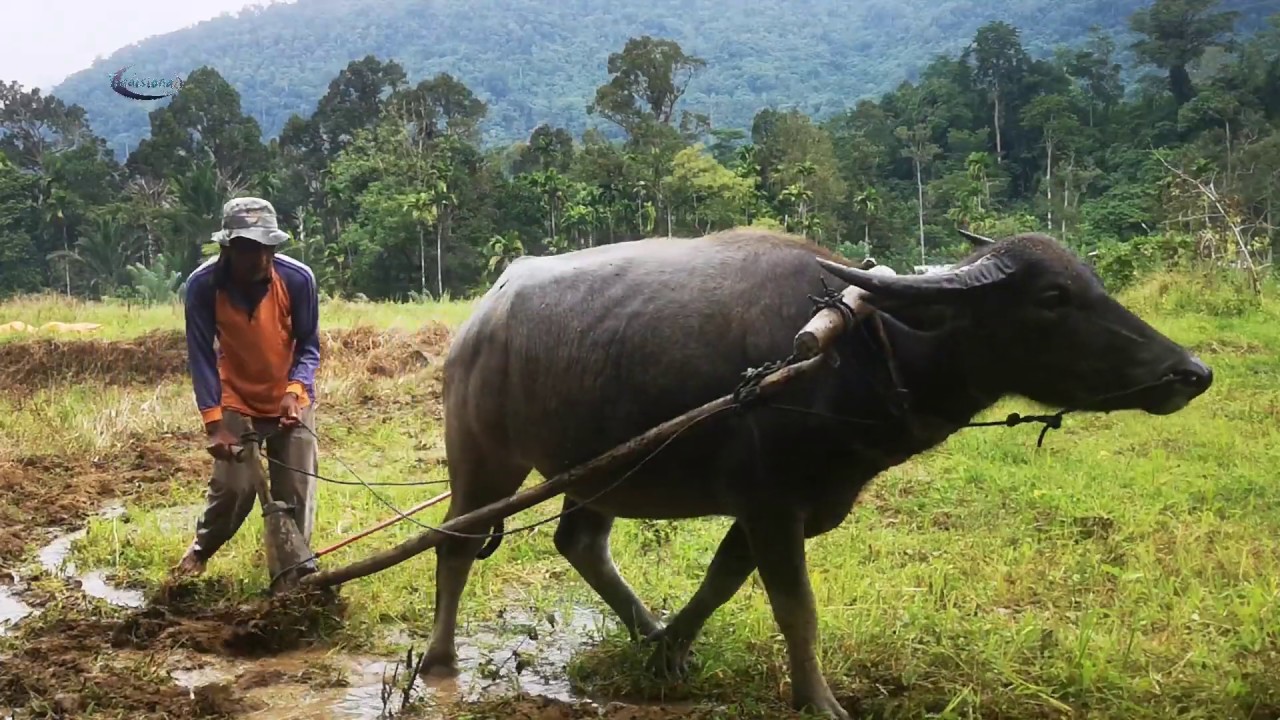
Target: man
x,y
263,308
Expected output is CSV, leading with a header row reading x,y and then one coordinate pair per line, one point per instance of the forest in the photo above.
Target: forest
x,y
390,192
539,62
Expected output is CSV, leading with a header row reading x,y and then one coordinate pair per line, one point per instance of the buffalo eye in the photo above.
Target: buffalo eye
x,y
1053,298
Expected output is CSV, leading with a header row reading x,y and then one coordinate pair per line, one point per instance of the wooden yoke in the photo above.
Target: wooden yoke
x,y
816,336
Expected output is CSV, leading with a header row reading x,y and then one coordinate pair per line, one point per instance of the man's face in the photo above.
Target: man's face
x,y
250,260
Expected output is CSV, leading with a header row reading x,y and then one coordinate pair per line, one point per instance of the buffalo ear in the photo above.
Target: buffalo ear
x,y
987,270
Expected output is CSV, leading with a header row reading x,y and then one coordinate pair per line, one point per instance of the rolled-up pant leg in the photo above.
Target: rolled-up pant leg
x,y
230,497
296,449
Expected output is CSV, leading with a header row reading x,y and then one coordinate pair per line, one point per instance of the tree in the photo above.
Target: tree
x,y
548,148
650,75
20,265
1097,73
1177,32
999,63
438,107
204,120
921,152
1057,122
709,191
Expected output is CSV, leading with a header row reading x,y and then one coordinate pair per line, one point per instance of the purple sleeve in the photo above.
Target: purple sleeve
x,y
201,359
306,330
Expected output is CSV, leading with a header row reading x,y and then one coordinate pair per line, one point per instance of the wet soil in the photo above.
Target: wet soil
x,y
75,655
39,492
72,644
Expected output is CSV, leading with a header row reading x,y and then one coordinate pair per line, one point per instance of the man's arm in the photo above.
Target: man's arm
x,y
306,334
201,360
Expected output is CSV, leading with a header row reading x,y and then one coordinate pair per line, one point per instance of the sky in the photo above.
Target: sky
x,y
39,50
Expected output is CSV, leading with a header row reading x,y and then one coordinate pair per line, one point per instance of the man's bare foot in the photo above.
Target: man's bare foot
x,y
190,565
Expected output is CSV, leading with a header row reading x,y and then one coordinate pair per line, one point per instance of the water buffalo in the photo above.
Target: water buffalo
x,y
567,356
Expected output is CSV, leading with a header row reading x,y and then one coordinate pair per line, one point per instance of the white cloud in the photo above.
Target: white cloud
x,y
50,39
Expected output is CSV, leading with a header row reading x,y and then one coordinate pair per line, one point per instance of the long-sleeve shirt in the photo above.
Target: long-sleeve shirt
x,y
268,341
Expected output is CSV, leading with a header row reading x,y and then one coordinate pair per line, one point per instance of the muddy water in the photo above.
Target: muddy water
x,y
53,558
527,651
12,609
524,652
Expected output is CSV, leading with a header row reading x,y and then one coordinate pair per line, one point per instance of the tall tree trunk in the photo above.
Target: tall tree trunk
x,y
66,265
1227,127
440,255
422,257
1180,85
920,208
1048,180
996,120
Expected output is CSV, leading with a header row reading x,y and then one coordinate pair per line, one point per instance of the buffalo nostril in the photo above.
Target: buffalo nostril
x,y
1197,375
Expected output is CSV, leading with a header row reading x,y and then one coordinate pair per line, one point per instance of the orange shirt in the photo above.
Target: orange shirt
x,y
267,340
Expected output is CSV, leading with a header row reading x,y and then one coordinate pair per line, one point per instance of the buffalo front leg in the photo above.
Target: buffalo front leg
x,y
777,544
582,537
729,569
475,484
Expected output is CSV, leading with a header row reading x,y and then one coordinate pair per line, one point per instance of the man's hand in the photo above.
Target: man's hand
x,y
220,441
289,411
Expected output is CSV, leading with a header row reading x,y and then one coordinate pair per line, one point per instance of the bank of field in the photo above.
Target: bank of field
x,y
1129,568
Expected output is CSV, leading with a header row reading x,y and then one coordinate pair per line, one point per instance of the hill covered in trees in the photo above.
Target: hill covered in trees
x,y
389,192
540,61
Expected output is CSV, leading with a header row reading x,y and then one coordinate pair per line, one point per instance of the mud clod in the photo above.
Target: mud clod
x,y
175,620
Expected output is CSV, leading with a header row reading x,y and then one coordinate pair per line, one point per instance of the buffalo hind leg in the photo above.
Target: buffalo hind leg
x,y
582,537
729,569
474,485
777,544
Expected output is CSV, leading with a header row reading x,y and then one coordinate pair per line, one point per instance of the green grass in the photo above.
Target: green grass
x,y
1128,569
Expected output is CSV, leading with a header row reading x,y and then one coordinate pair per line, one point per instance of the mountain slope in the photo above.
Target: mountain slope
x,y
537,61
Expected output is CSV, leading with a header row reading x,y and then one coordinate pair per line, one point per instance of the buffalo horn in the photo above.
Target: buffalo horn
x,y
986,271
975,238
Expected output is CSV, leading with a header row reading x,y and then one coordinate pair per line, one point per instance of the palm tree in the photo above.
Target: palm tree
x,y
421,207
104,252
867,204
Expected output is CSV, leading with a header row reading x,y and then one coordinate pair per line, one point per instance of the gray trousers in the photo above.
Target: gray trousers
x,y
232,489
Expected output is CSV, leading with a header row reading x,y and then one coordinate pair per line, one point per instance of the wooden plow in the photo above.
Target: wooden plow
x,y
809,351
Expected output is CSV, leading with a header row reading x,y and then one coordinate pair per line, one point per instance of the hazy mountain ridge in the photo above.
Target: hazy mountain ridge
x,y
537,61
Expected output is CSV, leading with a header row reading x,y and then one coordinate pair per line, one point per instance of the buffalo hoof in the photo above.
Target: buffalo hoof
x,y
670,657
439,666
823,704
